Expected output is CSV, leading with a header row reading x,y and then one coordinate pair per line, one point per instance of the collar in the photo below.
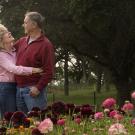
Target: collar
x,y
9,52
36,40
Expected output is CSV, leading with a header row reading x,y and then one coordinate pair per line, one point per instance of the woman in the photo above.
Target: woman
x,y
7,71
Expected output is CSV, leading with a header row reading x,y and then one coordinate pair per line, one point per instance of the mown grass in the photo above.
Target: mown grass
x,y
80,94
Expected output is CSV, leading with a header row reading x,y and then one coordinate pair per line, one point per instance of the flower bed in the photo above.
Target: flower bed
x,y
70,119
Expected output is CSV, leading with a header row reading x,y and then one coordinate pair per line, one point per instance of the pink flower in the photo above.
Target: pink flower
x,y
109,103
45,126
128,107
112,113
118,117
98,115
117,129
133,95
61,122
77,120
133,121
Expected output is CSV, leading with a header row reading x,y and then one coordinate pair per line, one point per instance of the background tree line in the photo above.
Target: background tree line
x,y
99,34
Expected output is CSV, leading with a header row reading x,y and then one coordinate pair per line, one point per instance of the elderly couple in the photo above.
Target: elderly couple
x,y
26,67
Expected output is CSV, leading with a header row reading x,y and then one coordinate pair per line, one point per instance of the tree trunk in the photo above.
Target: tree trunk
x,y
123,92
99,80
66,81
84,78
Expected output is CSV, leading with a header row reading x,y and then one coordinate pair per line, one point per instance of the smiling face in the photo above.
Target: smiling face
x,y
7,38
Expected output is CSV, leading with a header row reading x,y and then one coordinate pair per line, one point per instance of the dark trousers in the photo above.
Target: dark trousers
x,y
7,97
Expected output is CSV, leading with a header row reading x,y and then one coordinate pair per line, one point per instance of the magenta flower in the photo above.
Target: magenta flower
x,y
98,115
128,107
109,103
61,122
133,121
112,113
133,95
45,126
77,120
118,117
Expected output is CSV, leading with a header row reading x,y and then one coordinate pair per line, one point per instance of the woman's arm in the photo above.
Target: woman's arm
x,y
19,70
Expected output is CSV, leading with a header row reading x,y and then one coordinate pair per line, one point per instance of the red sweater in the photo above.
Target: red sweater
x,y
39,53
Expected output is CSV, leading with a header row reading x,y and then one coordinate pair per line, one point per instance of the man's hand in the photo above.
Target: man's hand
x,y
34,91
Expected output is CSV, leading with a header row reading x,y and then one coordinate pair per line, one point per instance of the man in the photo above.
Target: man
x,y
34,50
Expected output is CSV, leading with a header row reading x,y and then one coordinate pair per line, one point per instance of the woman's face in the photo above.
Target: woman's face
x,y
7,38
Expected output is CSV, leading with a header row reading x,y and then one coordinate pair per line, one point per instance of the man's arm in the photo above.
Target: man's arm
x,y
48,58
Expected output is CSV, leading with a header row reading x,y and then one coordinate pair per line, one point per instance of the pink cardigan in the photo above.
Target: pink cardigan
x,y
8,67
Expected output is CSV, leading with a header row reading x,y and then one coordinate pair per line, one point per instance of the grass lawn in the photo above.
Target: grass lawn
x,y
80,94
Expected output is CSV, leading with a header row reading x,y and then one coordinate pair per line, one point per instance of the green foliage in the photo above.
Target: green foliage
x,y
103,30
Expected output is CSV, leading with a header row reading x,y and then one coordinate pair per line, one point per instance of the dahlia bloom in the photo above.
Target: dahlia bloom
x,y
118,117
36,131
77,120
86,110
133,95
117,129
61,122
58,108
133,121
128,107
112,113
98,115
45,126
109,103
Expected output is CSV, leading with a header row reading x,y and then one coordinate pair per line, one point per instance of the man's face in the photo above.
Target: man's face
x,y
28,25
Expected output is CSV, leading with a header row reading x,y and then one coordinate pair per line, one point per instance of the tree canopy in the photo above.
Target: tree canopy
x,y
102,30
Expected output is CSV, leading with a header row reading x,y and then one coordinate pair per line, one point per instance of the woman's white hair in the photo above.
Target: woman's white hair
x,y
3,29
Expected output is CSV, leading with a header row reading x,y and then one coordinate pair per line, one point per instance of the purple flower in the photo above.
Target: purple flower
x,y
8,115
86,111
58,108
35,131
33,114
17,118
3,131
77,109
70,108
26,122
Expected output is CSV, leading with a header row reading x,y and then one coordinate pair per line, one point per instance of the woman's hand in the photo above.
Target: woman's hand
x,y
37,70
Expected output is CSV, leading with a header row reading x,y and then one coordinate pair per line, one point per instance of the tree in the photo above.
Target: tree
x,y
101,30
110,28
